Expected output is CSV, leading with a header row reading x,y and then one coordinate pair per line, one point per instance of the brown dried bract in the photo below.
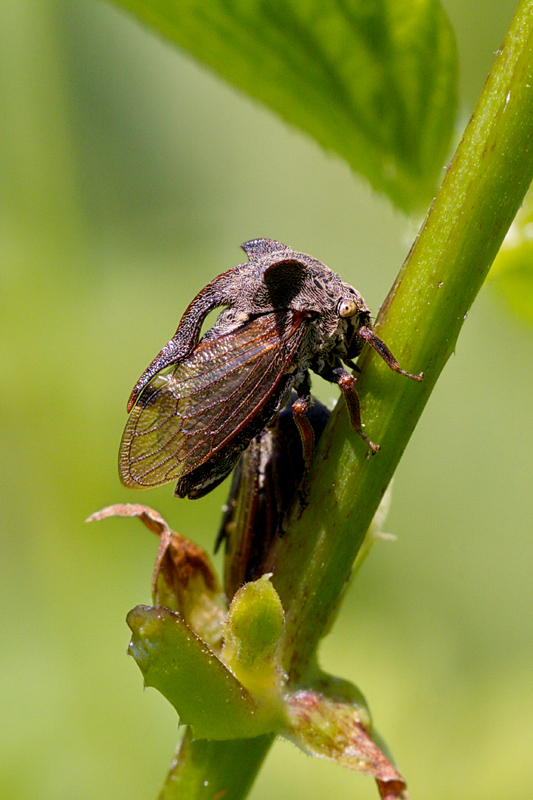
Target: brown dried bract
x,y
183,578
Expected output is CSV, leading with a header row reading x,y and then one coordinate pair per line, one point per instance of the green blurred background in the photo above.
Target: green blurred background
x,y
129,176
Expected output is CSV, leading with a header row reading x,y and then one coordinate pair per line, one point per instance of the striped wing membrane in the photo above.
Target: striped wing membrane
x,y
186,416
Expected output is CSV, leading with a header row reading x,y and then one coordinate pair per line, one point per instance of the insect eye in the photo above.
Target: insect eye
x,y
346,307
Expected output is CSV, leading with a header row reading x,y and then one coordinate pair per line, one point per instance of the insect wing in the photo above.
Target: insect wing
x,y
184,417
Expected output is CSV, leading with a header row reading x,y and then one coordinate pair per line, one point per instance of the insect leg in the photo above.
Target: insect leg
x,y
381,349
305,429
351,364
299,408
346,383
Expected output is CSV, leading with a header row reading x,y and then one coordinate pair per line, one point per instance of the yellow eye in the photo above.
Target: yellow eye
x,y
346,308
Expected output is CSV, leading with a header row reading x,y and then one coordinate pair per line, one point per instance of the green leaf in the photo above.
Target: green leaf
x,y
373,81
206,695
331,727
512,271
420,320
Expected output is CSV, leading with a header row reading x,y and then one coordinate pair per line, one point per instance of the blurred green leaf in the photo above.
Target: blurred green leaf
x,y
373,81
512,271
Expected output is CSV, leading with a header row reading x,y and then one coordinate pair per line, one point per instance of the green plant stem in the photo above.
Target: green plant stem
x,y
421,319
205,770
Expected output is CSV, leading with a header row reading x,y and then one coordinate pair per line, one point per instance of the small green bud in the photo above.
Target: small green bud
x,y
253,633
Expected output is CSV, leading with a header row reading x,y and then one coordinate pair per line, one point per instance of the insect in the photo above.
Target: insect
x,y
264,486
285,314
